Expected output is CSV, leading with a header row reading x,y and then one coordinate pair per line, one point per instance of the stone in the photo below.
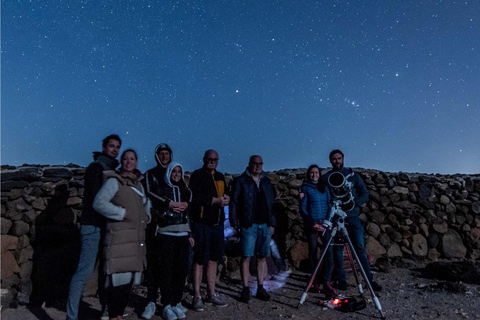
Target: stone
x,y
391,182
452,245
6,225
413,187
433,254
433,240
23,241
9,282
27,173
440,225
8,243
424,191
450,208
28,198
373,229
426,204
394,251
26,269
39,204
77,200
25,255
384,201
8,296
377,216
384,239
299,253
18,205
295,184
9,185
15,194
373,196
20,228
474,232
293,193
29,216
14,215
406,251
401,190
394,197
58,173
419,245
274,179
23,299
476,207
9,265
424,229
444,199
460,219
374,248
474,254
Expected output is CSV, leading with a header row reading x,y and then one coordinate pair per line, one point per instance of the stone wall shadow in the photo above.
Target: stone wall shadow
x,y
57,245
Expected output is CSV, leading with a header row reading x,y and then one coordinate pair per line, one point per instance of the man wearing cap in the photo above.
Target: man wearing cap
x,y
152,184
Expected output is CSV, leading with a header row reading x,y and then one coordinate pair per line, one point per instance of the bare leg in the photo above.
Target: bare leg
x,y
261,269
245,271
211,277
197,278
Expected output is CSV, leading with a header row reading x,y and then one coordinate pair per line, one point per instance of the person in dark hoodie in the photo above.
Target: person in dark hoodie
x,y
153,185
92,223
174,241
314,208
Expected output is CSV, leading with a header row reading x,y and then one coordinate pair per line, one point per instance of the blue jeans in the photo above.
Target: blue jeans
x,y
86,266
256,240
355,231
331,255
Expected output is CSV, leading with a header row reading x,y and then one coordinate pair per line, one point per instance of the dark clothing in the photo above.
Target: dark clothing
x,y
209,243
154,185
173,267
118,299
245,205
204,187
93,181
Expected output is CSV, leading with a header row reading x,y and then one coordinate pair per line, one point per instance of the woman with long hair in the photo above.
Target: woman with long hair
x,y
123,202
314,208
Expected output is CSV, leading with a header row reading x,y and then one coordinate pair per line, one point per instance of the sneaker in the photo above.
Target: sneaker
x,y
149,310
216,300
340,285
168,313
376,286
198,304
181,307
245,295
178,312
262,294
105,313
328,290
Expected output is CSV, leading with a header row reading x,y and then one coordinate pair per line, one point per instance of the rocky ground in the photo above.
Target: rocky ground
x,y
406,295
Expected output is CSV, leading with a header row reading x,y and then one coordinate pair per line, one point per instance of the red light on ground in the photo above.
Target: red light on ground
x,y
336,301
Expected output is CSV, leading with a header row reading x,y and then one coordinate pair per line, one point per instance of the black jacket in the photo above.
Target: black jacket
x,y
154,189
243,199
202,184
93,181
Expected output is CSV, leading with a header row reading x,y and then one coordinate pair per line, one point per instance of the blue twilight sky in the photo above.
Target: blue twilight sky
x,y
394,84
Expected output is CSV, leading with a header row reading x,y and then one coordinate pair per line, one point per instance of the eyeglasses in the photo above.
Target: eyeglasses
x,y
257,163
211,159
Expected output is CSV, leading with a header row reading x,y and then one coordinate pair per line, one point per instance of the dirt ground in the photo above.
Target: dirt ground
x,y
405,296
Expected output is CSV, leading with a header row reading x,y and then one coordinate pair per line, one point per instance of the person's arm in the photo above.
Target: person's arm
x,y
232,208
94,177
199,190
102,203
307,218
362,191
152,188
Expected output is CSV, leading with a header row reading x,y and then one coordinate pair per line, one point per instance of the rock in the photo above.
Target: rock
x,y
23,241
450,208
20,228
39,204
25,255
373,229
440,225
374,248
18,205
384,240
9,265
444,199
452,245
299,253
27,173
23,298
384,201
394,251
15,194
413,187
474,232
29,216
74,201
295,184
8,243
433,240
26,269
377,217
476,207
401,190
373,196
424,229
419,245
58,173
6,225
424,192
433,254
9,185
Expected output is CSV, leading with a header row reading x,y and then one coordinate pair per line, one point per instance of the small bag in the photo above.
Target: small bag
x,y
351,304
168,218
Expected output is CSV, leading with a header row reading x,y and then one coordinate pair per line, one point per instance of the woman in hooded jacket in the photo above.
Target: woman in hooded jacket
x,y
174,241
314,208
122,200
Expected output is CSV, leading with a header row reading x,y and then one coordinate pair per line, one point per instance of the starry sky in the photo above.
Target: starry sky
x,y
394,84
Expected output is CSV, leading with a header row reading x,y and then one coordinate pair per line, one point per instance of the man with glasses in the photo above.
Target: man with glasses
x,y
209,198
251,211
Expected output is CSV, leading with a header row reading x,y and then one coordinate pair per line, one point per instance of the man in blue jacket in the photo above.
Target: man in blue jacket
x,y
353,223
251,211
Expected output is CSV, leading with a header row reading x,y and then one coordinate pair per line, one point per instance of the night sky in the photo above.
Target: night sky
x,y
394,84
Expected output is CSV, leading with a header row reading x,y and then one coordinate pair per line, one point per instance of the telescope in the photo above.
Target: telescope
x,y
342,190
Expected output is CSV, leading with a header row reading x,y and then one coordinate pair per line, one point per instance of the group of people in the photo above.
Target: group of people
x,y
151,223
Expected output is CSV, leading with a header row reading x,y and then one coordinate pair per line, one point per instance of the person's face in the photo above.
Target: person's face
x,y
210,161
337,161
176,174
129,162
314,174
112,149
165,157
256,166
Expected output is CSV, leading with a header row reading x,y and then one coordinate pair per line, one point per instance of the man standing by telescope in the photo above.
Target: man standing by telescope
x,y
348,186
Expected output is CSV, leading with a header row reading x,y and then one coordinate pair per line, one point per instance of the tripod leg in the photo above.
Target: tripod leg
x,y
355,273
314,274
374,297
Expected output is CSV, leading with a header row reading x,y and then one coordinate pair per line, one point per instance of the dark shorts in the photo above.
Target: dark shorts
x,y
209,243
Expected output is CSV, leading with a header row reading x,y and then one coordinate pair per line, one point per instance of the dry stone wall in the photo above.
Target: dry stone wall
x,y
418,217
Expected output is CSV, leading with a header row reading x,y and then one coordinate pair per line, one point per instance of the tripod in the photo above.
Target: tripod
x,y
342,231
